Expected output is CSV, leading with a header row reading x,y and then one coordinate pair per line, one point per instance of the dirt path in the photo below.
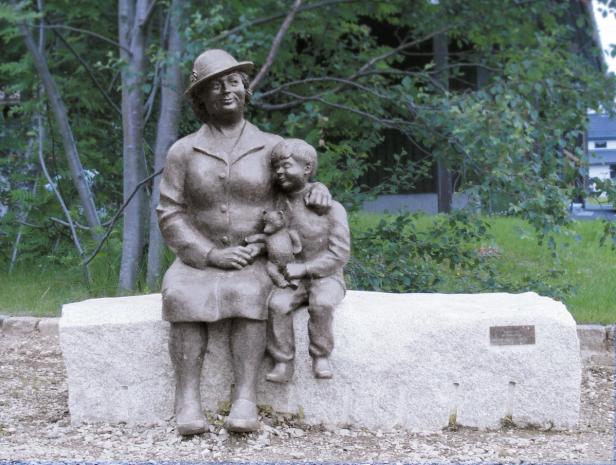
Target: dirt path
x,y
34,424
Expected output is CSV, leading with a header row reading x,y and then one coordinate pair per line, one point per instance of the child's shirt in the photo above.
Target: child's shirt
x,y
326,240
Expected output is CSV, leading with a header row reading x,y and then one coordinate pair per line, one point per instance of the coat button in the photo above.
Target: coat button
x,y
223,208
222,175
225,240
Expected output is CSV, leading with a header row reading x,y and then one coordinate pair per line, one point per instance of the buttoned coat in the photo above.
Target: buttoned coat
x,y
211,199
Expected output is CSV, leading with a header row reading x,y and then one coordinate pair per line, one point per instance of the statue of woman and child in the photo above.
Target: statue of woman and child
x,y
254,238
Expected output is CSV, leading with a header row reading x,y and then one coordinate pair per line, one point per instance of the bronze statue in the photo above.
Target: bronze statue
x,y
216,183
325,248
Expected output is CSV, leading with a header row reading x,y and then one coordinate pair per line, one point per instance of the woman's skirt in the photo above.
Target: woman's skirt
x,y
212,294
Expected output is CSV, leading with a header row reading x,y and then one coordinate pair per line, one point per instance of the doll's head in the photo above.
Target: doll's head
x,y
274,220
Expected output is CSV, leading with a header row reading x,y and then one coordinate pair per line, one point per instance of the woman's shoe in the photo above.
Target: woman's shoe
x,y
187,428
243,417
189,419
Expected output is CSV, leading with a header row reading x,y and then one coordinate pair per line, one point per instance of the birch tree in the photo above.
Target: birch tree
x,y
166,131
133,16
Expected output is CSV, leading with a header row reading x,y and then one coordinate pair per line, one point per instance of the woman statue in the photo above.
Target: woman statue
x,y
216,183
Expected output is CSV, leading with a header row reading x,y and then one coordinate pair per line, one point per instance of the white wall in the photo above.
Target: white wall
x,y
611,144
599,171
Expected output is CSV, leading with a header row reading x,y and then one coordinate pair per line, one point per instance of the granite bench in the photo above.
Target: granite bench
x,y
415,361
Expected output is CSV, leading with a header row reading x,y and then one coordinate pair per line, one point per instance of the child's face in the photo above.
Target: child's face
x,y
291,174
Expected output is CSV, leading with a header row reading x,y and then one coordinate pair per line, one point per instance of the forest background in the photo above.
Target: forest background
x,y
101,85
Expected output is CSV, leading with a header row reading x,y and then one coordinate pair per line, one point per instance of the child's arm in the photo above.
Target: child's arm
x,y
327,262
318,198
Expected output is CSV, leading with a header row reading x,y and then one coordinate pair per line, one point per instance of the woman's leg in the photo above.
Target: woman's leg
x,y
187,345
247,350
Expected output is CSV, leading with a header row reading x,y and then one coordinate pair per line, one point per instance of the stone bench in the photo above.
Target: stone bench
x,y
413,361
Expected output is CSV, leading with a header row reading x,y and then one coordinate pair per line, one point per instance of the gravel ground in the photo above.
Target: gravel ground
x,y
35,425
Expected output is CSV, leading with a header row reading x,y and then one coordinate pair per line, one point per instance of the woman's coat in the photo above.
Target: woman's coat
x,y
209,199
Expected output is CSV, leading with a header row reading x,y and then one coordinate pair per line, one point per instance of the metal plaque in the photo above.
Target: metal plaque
x,y
512,335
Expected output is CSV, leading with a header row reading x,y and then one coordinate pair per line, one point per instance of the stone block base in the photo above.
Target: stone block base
x,y
412,361
19,325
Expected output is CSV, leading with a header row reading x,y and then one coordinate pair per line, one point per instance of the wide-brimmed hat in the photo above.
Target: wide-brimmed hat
x,y
212,63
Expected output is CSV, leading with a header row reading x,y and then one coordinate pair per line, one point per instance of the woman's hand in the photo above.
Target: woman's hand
x,y
255,248
231,257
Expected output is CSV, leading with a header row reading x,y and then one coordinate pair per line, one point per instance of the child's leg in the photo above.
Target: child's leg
x,y
324,295
280,334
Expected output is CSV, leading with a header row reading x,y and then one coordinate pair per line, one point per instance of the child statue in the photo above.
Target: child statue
x,y
317,268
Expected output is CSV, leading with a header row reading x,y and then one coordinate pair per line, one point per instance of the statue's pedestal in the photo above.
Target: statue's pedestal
x,y
415,361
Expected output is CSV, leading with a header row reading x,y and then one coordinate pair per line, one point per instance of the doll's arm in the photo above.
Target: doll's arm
x,y
255,238
256,244
295,241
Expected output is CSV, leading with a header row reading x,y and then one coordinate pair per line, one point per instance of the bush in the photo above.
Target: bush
x,y
446,253
397,256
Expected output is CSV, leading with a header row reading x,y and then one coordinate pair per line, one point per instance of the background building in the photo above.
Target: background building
x,y
602,146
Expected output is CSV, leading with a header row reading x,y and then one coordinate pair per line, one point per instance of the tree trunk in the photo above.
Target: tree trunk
x,y
132,18
68,141
443,174
271,56
166,134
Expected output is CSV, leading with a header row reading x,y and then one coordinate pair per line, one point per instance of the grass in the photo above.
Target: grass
x,y
42,291
587,268
590,271
39,293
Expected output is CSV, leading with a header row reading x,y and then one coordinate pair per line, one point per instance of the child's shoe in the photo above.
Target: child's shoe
x,y
321,368
281,373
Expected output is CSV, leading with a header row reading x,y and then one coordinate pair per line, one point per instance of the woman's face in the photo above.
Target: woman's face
x,y
224,95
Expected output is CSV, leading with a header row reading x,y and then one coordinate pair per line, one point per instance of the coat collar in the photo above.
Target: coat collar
x,y
207,141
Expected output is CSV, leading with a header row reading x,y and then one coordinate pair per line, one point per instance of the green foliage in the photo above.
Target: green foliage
x,y
498,255
582,276
413,253
96,128
394,256
339,80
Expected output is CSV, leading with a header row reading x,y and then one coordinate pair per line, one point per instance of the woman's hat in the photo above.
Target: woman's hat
x,y
212,63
